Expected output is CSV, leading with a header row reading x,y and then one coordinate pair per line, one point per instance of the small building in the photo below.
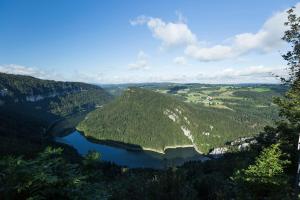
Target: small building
x,y
209,98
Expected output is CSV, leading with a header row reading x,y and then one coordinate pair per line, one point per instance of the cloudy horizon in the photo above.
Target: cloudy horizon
x,y
150,42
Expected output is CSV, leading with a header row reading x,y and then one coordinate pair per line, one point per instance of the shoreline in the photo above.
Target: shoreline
x,y
132,147
168,147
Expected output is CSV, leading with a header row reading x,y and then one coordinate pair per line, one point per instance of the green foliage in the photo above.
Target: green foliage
x,y
268,168
77,102
290,104
135,118
48,176
142,117
30,106
58,98
92,156
266,177
91,159
292,37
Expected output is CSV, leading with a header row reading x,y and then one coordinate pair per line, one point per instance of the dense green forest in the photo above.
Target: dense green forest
x,y
55,97
30,106
153,120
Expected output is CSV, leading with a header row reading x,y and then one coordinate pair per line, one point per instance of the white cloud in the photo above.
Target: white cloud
x,y
180,60
251,74
258,71
18,69
266,39
141,62
30,71
54,75
170,33
218,52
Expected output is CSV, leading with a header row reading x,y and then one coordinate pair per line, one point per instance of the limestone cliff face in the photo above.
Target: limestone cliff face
x,y
19,88
38,97
7,95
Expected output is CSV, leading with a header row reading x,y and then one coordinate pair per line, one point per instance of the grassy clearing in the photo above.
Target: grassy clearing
x,y
260,89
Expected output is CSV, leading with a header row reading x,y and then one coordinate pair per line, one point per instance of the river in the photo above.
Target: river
x,y
130,158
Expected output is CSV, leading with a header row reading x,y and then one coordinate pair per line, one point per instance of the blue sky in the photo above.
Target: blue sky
x,y
114,41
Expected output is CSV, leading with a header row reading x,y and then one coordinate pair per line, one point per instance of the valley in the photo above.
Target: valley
x,y
133,134
149,100
154,117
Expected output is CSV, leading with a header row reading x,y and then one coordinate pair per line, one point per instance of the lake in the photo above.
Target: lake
x,y
130,158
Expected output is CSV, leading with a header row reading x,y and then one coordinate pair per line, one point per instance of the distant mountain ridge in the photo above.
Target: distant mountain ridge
x,y
18,89
142,117
23,87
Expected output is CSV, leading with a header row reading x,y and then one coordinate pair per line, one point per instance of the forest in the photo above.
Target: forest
x,y
32,166
153,118
29,107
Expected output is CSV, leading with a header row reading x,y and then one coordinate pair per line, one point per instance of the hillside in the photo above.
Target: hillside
x,y
60,98
29,106
157,121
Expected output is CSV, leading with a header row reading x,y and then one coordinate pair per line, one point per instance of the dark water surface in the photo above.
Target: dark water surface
x,y
129,158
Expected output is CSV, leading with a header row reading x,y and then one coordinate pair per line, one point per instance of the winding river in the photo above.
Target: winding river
x,y
130,158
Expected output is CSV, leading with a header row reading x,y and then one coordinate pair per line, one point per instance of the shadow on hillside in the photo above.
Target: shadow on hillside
x,y
127,146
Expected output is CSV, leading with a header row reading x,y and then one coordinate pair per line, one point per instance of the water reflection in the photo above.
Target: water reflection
x,y
129,158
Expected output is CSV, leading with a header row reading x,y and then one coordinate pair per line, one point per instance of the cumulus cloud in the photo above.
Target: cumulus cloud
x,y
248,74
251,74
29,71
51,74
141,62
258,71
170,33
266,39
218,52
18,69
180,60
